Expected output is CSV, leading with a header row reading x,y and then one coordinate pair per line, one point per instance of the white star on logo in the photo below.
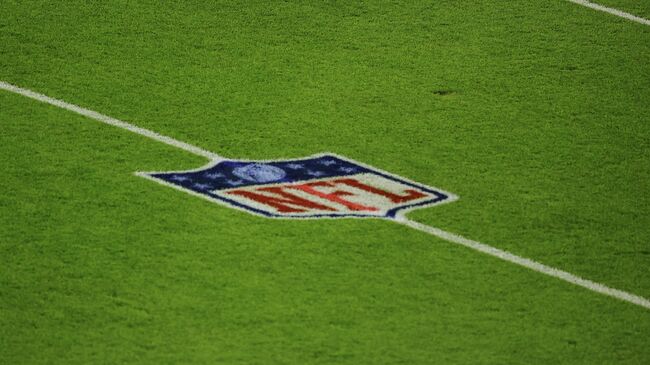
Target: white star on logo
x,y
180,178
202,186
327,162
235,182
295,166
213,176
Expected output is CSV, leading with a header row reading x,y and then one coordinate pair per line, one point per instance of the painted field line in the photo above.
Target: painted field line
x,y
612,11
527,263
447,236
108,120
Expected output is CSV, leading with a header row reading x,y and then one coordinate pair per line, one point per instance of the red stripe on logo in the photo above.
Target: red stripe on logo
x,y
395,198
282,201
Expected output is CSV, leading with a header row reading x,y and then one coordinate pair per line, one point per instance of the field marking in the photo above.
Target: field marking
x,y
612,11
527,263
108,120
401,219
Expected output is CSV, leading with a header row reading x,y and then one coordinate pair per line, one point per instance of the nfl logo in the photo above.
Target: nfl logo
x,y
322,186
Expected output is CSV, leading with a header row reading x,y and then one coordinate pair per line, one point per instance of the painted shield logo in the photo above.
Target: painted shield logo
x,y
321,186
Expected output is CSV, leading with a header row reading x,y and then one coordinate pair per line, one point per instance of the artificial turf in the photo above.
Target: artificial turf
x,y
534,113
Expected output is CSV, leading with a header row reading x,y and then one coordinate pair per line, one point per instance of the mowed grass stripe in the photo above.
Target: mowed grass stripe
x,y
528,112
126,267
475,245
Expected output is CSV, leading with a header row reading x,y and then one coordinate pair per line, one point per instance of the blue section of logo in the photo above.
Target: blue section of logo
x,y
233,174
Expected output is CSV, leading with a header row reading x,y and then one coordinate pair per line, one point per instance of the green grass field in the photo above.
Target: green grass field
x,y
536,113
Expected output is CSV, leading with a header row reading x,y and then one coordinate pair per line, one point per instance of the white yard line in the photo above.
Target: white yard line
x,y
108,120
612,11
451,237
527,263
